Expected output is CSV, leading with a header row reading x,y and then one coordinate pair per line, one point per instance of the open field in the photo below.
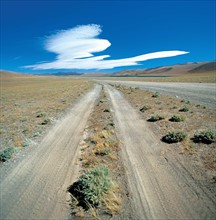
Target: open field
x,y
198,93
195,118
106,155
28,105
189,78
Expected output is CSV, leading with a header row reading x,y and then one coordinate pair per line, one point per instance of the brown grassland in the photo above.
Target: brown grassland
x,y
206,77
198,118
29,105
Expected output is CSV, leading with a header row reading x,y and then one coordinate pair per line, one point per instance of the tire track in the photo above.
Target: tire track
x,y
35,187
160,189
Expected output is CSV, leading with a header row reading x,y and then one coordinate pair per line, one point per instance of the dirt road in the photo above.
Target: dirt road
x,y
161,187
34,187
200,93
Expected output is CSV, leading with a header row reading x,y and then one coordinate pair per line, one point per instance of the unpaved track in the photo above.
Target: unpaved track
x,y
161,188
200,93
35,186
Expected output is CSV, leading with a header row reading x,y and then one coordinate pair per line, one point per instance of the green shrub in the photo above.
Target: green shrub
x,y
92,186
45,121
185,101
184,109
156,95
41,114
7,153
144,108
174,137
155,118
207,137
177,118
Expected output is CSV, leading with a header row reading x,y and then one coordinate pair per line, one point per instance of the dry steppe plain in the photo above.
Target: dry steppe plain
x,y
66,126
30,104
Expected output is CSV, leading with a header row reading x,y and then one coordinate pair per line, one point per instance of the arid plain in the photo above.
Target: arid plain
x,y
65,129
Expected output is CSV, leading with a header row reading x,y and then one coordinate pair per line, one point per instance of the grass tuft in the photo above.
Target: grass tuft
x,y
7,154
156,95
41,114
145,108
92,187
156,118
184,109
177,118
185,101
174,137
206,137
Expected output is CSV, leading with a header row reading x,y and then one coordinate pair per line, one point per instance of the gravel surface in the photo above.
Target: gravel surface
x,y
199,93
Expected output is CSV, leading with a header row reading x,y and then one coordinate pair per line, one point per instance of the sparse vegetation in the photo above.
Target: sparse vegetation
x,y
41,114
201,155
185,101
103,152
106,110
145,108
184,109
156,95
177,118
92,187
174,137
28,101
156,118
207,137
46,121
95,190
7,154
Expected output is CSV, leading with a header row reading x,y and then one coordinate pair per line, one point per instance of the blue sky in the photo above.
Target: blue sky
x,y
51,36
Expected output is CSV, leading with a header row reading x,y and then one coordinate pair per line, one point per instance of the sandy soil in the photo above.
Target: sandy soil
x,y
198,93
34,186
161,185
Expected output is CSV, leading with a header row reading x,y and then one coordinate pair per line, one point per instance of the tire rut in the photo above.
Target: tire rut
x,y
35,186
160,188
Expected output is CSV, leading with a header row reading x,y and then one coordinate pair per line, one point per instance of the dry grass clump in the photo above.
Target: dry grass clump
x,y
156,118
184,109
156,95
177,118
144,108
111,201
92,187
207,137
174,137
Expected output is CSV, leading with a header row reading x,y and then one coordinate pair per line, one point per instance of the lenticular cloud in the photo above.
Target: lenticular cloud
x,y
75,48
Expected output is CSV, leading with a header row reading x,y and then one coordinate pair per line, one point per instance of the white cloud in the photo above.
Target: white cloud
x,y
75,48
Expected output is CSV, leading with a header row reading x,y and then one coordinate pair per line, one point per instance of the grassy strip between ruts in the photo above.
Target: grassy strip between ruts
x,y
99,191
